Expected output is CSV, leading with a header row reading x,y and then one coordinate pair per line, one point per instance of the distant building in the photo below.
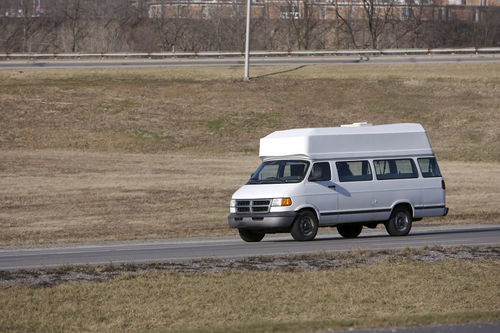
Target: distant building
x,y
272,9
22,8
467,10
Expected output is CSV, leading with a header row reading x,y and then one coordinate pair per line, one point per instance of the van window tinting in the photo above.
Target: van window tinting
x,y
429,167
395,169
274,172
321,170
354,171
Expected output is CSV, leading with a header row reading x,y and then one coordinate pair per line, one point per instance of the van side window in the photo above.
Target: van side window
x,y
395,169
320,172
429,167
354,171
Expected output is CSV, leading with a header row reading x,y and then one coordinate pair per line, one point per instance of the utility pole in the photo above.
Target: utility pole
x,y
246,76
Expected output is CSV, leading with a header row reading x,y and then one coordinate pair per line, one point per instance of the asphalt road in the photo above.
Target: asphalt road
x,y
328,241
458,328
257,61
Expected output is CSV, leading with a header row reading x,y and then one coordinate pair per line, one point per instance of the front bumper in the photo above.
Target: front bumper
x,y
281,221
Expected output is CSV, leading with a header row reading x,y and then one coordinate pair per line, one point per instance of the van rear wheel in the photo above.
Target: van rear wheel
x,y
305,226
349,230
400,222
250,235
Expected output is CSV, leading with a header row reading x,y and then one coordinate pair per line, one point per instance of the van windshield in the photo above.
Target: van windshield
x,y
275,172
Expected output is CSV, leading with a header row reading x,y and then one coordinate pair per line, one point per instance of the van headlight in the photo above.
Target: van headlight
x,y
232,203
281,202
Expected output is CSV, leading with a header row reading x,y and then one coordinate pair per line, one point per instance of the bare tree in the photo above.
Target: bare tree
x,y
345,13
407,29
377,15
75,16
228,26
123,25
486,27
170,24
302,17
269,32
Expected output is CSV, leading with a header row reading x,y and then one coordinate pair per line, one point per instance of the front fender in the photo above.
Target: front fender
x,y
308,206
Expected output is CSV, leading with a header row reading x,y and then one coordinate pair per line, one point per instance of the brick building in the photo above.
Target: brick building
x,y
466,10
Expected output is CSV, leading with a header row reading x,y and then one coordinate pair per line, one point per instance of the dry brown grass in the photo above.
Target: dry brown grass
x,y
385,294
76,146
210,109
473,192
67,196
57,196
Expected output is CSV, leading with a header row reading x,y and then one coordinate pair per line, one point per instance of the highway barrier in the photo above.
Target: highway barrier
x,y
163,55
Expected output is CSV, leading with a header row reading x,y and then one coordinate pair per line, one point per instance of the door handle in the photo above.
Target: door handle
x,y
333,187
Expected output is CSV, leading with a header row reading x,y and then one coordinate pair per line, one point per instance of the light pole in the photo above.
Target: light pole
x,y
246,76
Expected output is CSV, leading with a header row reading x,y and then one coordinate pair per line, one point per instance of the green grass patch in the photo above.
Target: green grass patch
x,y
232,122
145,134
118,106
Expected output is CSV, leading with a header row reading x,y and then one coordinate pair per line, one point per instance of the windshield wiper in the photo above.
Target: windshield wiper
x,y
291,180
265,181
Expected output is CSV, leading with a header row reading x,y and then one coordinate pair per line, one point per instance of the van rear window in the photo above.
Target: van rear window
x,y
429,167
395,169
354,171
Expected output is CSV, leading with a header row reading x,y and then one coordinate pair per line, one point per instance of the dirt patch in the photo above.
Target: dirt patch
x,y
321,261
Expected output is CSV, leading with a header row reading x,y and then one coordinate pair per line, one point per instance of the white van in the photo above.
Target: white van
x,y
348,177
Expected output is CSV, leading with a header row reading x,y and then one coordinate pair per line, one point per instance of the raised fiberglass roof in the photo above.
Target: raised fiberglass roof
x,y
347,142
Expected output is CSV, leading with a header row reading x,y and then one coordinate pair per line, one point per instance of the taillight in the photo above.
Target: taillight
x,y
443,185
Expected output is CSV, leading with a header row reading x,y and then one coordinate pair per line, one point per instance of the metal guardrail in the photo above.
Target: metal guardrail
x,y
161,55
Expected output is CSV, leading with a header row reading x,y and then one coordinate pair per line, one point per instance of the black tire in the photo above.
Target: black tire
x,y
305,226
349,230
400,222
251,236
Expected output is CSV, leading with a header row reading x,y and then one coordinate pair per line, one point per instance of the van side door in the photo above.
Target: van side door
x,y
357,192
319,191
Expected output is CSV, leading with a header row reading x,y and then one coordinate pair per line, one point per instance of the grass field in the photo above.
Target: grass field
x,y
391,293
211,109
107,154
67,196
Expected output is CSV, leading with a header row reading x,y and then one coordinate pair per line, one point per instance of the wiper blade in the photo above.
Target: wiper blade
x,y
270,181
266,181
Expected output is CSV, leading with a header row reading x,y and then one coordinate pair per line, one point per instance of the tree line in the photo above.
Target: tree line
x,y
116,26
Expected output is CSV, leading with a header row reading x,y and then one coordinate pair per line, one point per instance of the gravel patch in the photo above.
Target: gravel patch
x,y
321,261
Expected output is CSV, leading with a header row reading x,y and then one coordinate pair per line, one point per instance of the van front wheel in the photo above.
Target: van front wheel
x,y
305,226
400,222
251,236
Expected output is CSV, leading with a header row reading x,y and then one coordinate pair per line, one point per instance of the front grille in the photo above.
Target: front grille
x,y
253,206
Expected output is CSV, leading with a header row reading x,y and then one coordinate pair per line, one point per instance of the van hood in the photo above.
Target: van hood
x,y
266,191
